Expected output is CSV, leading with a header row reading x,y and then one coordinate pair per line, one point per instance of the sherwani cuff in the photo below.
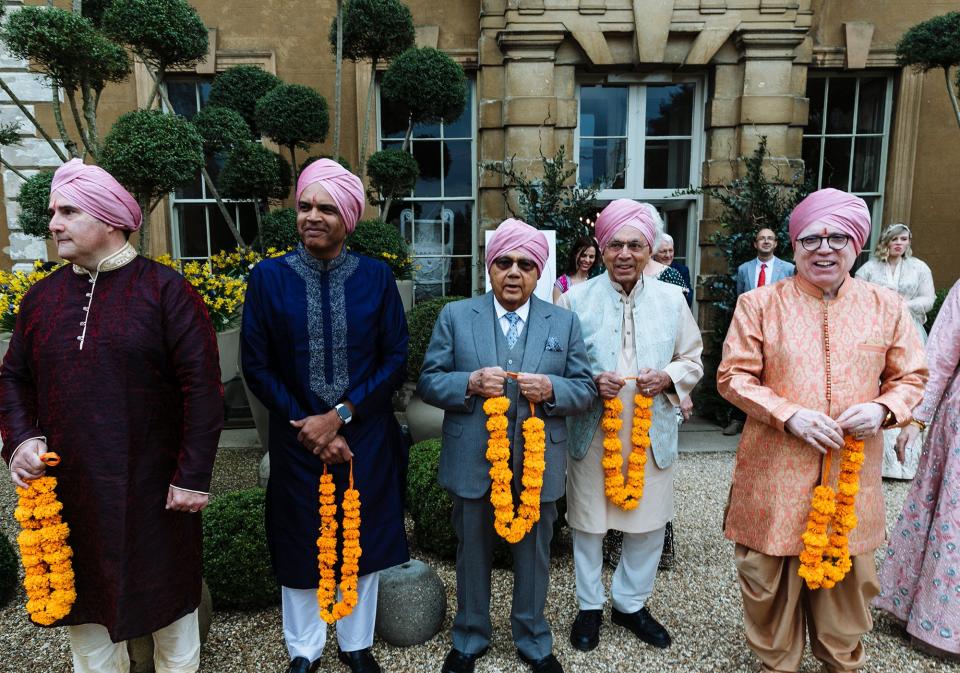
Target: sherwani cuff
x,y
780,415
901,412
676,376
20,446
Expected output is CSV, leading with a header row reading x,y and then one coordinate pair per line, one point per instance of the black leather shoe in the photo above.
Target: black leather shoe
x,y
643,625
301,665
548,664
585,632
461,662
359,661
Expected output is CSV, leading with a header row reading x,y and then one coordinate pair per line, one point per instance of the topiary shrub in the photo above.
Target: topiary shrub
x,y
239,88
161,32
429,504
34,198
221,128
293,115
420,322
382,241
391,173
251,171
279,229
236,561
428,83
9,567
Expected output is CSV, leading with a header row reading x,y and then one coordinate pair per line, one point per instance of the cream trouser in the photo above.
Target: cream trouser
x,y
306,634
632,580
176,648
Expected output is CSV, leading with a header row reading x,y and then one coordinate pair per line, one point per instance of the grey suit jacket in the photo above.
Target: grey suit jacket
x,y
747,274
463,341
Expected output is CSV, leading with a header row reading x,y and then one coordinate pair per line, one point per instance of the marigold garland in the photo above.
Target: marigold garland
x,y
331,611
625,496
825,559
48,571
513,528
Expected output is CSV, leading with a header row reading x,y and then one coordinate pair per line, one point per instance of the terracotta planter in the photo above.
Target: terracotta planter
x,y
405,287
229,344
424,420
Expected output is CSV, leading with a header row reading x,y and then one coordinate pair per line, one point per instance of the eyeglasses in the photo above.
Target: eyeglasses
x,y
506,263
632,246
834,242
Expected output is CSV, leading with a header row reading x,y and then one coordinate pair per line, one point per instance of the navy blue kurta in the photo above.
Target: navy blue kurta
x,y
316,334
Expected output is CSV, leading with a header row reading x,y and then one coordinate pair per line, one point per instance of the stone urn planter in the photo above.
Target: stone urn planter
x,y
141,649
411,604
405,287
4,344
261,417
229,344
424,420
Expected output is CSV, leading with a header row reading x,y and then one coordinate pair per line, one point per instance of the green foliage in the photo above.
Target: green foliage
x,y
236,561
66,47
9,567
934,43
391,173
221,128
163,33
374,29
279,229
152,153
34,198
935,311
429,504
747,205
420,322
94,10
554,201
293,115
239,88
428,83
10,134
382,241
251,171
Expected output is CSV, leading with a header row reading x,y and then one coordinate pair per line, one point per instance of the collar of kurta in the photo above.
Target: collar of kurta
x,y
814,291
111,262
623,294
320,265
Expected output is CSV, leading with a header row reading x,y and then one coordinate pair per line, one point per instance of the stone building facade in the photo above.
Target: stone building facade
x,y
650,96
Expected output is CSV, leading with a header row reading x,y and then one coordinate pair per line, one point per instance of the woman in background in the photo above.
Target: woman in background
x,y
584,258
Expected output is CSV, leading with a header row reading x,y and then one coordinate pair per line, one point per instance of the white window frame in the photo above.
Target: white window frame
x,y
876,216
473,197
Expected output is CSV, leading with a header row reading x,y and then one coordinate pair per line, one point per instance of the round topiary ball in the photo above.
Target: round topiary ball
x,y
8,570
428,83
293,115
251,171
236,562
392,173
221,128
161,32
239,88
279,229
382,241
34,198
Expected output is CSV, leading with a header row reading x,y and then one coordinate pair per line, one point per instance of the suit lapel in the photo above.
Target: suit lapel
x,y
484,338
538,325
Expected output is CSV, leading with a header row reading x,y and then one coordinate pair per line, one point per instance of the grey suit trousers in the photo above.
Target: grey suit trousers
x,y
473,521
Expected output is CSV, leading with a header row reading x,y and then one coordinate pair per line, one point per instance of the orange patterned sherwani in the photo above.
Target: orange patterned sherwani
x,y
786,349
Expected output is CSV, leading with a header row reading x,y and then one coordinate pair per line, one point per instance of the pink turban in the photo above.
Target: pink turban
x,y
344,188
847,212
98,194
626,212
516,235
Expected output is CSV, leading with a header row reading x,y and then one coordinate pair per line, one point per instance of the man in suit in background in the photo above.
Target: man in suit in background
x,y
664,255
475,343
765,269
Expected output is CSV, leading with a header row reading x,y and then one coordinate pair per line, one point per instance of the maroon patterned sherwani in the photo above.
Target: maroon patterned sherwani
x,y
121,376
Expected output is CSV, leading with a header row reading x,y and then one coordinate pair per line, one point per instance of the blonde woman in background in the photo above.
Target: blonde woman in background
x,y
893,265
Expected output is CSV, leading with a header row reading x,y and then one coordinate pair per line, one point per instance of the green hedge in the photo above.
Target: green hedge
x,y
373,238
236,562
420,322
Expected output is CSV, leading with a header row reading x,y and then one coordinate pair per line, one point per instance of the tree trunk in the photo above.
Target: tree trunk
x,y
338,86
366,118
952,92
406,144
33,120
293,164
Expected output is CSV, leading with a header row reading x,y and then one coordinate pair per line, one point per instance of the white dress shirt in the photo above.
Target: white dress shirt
x,y
523,312
767,278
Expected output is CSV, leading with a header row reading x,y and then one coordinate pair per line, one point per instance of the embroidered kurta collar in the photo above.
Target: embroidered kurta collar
x,y
320,265
624,295
809,288
111,262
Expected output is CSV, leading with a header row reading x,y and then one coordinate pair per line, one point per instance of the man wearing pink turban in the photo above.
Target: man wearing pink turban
x,y
643,340
506,342
324,347
813,359
113,364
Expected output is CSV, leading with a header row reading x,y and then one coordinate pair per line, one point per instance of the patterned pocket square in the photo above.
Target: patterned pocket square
x,y
553,344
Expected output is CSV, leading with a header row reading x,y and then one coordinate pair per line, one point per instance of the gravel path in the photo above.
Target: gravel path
x,y
698,601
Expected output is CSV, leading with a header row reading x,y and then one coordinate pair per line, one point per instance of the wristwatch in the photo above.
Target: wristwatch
x,y
343,411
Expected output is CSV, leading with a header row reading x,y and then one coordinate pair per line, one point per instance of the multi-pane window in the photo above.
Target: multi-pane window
x,y
643,142
437,219
199,229
845,141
